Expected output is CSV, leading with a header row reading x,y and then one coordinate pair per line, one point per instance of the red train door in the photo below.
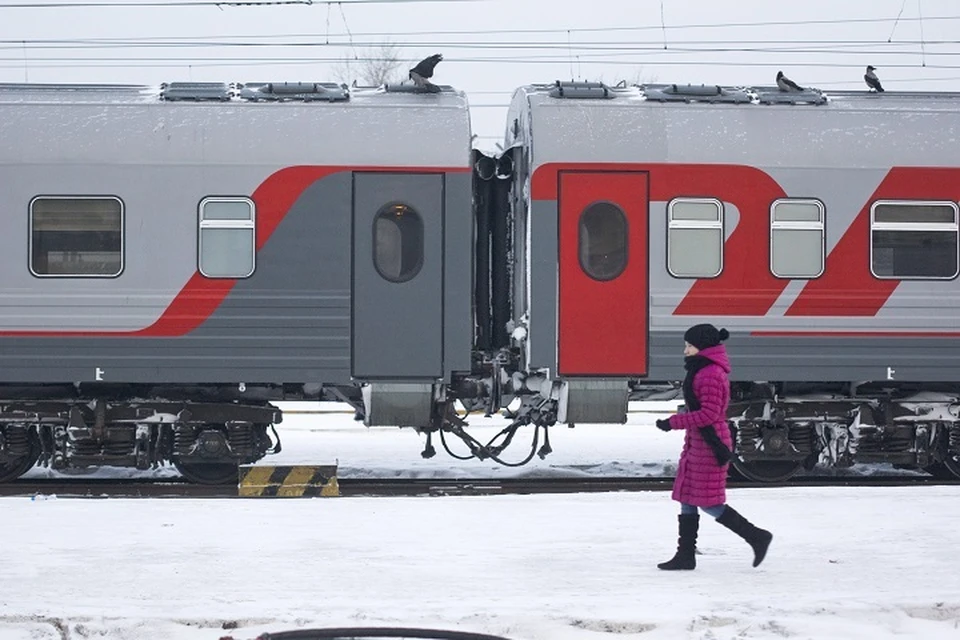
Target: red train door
x,y
604,274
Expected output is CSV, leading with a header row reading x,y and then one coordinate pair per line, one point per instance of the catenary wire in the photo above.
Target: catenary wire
x,y
705,47
180,4
296,38
127,61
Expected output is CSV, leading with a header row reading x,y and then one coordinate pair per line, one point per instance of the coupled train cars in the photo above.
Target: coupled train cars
x,y
175,259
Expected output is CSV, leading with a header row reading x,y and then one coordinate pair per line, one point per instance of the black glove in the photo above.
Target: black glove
x,y
720,451
664,425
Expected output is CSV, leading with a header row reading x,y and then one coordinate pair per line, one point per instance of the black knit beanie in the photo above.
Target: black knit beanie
x,y
705,335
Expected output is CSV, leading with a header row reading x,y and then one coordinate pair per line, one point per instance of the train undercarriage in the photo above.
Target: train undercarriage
x,y
206,440
206,433
779,430
777,435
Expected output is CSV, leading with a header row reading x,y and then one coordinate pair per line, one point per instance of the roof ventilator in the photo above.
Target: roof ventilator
x,y
409,87
697,93
86,88
196,91
773,95
581,90
288,91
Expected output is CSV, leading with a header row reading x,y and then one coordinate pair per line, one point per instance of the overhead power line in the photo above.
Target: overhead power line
x,y
207,3
65,4
134,62
508,52
682,45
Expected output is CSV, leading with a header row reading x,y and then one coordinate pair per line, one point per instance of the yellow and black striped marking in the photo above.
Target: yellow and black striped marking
x,y
288,482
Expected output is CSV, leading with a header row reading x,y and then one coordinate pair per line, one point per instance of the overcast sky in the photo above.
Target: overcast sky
x,y
490,46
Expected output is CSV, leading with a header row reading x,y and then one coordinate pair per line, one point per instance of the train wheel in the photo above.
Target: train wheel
x,y
951,463
212,473
13,468
939,471
767,470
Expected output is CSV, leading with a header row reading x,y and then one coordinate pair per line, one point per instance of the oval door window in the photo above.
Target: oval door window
x,y
603,241
398,242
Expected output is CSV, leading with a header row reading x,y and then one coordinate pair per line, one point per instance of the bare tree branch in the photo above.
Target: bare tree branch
x,y
371,67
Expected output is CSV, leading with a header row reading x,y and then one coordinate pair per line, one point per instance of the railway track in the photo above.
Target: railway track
x,y
359,487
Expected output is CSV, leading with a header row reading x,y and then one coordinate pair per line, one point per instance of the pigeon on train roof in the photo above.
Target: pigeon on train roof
x,y
786,84
872,80
421,73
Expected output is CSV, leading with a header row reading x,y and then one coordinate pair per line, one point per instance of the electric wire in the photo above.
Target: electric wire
x,y
685,47
135,62
32,53
180,4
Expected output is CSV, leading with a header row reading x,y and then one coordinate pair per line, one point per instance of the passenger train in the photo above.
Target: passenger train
x,y
176,259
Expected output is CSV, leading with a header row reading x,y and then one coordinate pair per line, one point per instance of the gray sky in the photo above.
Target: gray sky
x,y
493,46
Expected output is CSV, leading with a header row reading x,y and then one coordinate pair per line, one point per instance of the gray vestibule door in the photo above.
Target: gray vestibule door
x,y
397,275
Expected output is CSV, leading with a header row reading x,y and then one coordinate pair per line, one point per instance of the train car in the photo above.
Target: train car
x,y
175,258
820,229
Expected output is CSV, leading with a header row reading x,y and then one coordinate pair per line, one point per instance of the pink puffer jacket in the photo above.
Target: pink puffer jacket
x,y
700,480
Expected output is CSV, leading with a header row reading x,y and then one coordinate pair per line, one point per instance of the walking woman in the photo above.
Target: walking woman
x,y
702,473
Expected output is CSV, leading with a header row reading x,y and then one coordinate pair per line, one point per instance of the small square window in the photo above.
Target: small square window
x,y
76,237
914,240
797,238
695,237
227,246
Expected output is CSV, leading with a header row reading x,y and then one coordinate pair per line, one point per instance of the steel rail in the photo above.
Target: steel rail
x,y
42,489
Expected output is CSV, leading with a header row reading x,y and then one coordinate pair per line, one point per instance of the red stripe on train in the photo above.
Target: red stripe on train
x,y
847,288
745,287
201,296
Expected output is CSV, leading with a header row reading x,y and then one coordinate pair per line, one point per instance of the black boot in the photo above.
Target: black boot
x,y
685,557
756,537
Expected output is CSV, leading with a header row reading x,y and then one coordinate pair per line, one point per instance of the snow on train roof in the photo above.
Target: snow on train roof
x,y
313,93
756,126
581,93
288,123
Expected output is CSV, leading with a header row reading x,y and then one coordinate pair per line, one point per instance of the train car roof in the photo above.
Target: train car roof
x,y
312,93
598,94
760,126
262,122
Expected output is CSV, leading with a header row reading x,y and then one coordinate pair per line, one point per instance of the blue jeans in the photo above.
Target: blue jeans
x,y
715,511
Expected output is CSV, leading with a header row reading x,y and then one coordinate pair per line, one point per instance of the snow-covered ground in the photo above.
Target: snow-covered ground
x,y
845,562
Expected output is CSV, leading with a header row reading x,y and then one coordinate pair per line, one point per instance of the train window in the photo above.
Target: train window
x,y
227,237
797,238
914,239
603,241
76,237
398,242
695,237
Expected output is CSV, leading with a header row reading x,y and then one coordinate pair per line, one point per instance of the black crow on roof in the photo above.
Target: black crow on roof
x,y
872,80
421,73
786,84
